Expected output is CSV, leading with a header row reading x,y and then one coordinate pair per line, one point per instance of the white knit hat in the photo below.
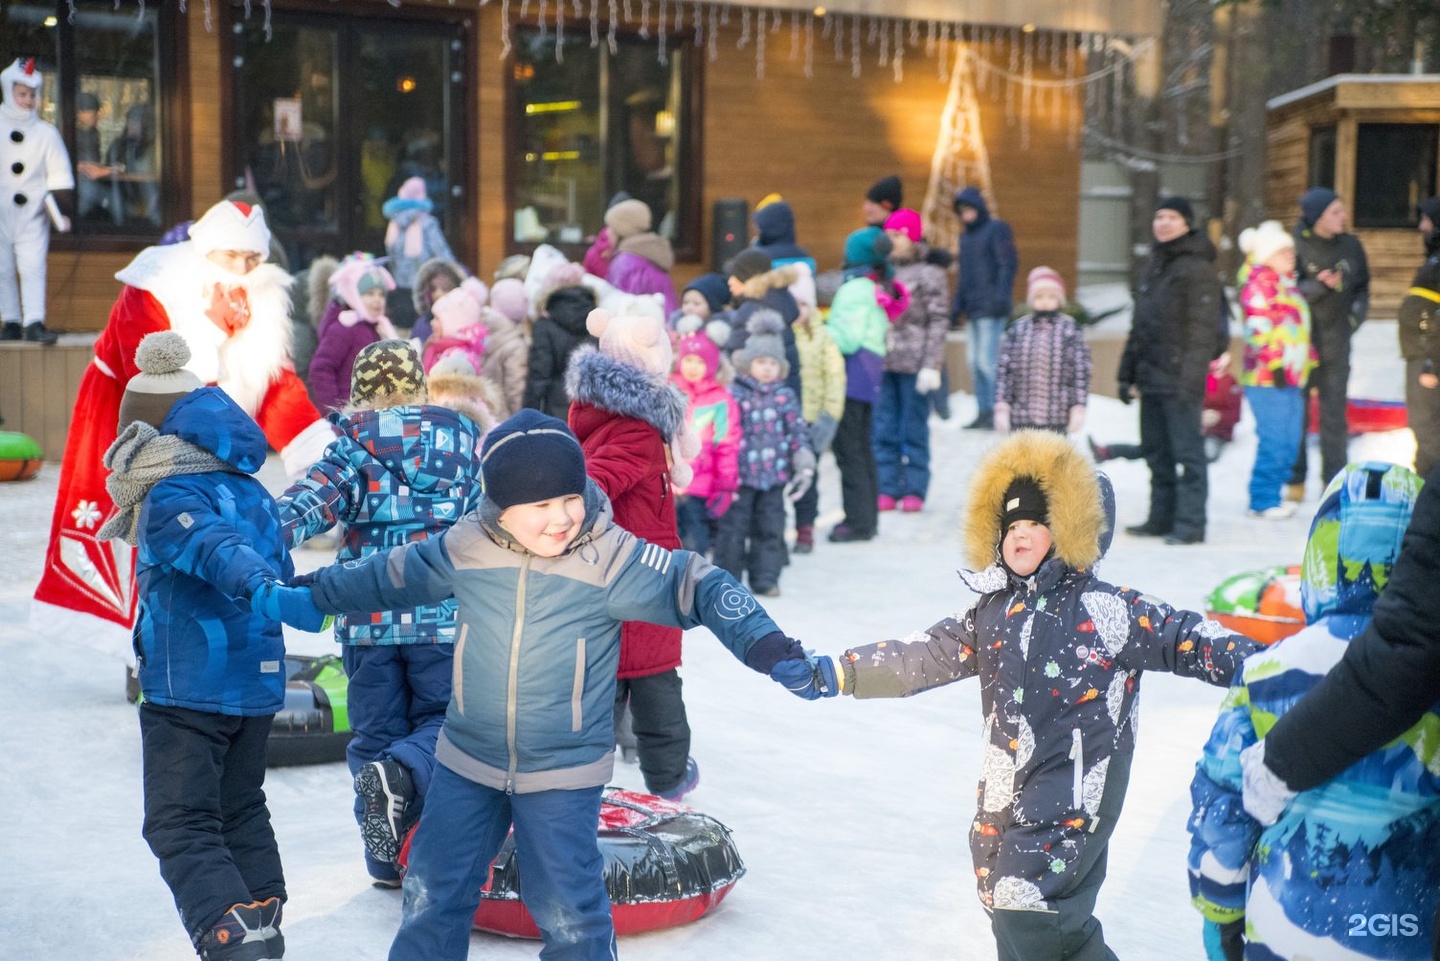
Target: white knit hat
x,y
1265,241
231,225
162,380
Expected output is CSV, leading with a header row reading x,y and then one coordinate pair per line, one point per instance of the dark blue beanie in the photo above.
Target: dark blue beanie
x,y
531,457
715,288
1313,203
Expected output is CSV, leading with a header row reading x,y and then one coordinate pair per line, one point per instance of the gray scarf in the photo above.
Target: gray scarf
x,y
140,458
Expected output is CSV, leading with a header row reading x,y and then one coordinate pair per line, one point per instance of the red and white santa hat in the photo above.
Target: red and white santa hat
x,y
231,225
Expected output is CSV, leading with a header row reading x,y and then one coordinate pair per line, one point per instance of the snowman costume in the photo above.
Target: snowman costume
x,y
33,162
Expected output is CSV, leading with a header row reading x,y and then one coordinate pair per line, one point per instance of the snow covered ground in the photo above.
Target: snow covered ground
x,y
851,816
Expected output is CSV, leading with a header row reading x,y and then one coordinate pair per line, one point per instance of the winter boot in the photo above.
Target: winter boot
x,y
1295,493
804,539
247,932
985,420
37,334
689,782
11,330
388,791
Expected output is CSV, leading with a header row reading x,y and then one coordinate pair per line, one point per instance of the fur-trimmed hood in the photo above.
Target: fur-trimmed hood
x,y
1078,522
756,287
600,381
592,378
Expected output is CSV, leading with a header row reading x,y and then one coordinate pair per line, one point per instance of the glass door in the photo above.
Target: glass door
x,y
334,113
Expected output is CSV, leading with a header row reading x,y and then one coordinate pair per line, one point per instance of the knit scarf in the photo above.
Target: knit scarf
x,y
382,325
140,458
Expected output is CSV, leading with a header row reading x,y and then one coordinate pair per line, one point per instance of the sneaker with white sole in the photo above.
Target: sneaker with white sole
x,y
1280,512
388,791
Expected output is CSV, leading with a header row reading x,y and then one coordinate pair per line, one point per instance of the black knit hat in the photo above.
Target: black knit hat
x,y
1023,501
1315,202
531,457
887,190
1181,205
750,262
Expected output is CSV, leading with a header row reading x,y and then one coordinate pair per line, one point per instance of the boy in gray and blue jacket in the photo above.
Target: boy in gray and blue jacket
x,y
543,579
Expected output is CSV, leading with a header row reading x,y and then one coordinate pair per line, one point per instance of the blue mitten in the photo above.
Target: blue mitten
x,y
289,605
809,677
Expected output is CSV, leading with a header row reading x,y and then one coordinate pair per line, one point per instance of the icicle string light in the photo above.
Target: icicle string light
x,y
760,45
594,23
610,38
794,35
714,51
504,29
809,47
661,34
645,18
744,29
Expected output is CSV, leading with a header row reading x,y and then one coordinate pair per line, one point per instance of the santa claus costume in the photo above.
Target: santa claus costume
x,y
33,162
238,329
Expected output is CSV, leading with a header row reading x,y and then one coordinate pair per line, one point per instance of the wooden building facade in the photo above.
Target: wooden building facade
x,y
1374,140
523,128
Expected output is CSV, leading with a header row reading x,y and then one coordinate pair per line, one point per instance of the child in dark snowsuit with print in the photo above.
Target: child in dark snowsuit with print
x,y
207,643
637,442
1059,655
402,470
776,461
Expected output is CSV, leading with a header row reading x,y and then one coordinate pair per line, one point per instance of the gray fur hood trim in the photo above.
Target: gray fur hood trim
x,y
600,381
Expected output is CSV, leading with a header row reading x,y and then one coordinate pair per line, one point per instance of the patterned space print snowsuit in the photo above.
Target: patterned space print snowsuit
x,y
1059,656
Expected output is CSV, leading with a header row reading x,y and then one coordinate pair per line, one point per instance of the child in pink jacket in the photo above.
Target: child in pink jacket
x,y
715,419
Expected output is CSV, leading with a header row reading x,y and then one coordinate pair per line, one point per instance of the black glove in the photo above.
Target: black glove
x,y
1126,393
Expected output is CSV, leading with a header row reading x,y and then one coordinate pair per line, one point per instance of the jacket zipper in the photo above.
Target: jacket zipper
x,y
513,685
1077,754
577,690
458,671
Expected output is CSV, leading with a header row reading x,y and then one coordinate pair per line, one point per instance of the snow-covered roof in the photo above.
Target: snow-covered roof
x,y
1339,78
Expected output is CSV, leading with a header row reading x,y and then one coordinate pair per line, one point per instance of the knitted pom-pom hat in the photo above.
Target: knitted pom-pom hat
x,y
162,380
1044,278
386,368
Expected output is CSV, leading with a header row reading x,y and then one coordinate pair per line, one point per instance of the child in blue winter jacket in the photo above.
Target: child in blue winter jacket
x,y
1350,870
775,461
543,579
401,471
1058,654
208,647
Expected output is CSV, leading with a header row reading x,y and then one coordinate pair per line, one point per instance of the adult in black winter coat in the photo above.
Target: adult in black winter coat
x,y
1173,338
1388,678
1420,344
559,329
1332,274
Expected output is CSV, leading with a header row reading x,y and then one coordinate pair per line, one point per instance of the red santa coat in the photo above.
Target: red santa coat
x,y
240,342
626,456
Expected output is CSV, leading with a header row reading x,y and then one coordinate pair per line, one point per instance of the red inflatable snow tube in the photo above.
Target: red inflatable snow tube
x,y
665,865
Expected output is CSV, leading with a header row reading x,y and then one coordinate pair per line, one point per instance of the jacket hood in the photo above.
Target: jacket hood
x,y
1355,538
761,284
600,381
427,272
775,224
1072,488
430,447
652,247
972,197
598,518
1194,243
569,307
212,421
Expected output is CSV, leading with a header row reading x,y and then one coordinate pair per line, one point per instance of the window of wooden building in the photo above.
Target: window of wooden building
x,y
109,90
1395,169
589,123
334,113
1322,157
